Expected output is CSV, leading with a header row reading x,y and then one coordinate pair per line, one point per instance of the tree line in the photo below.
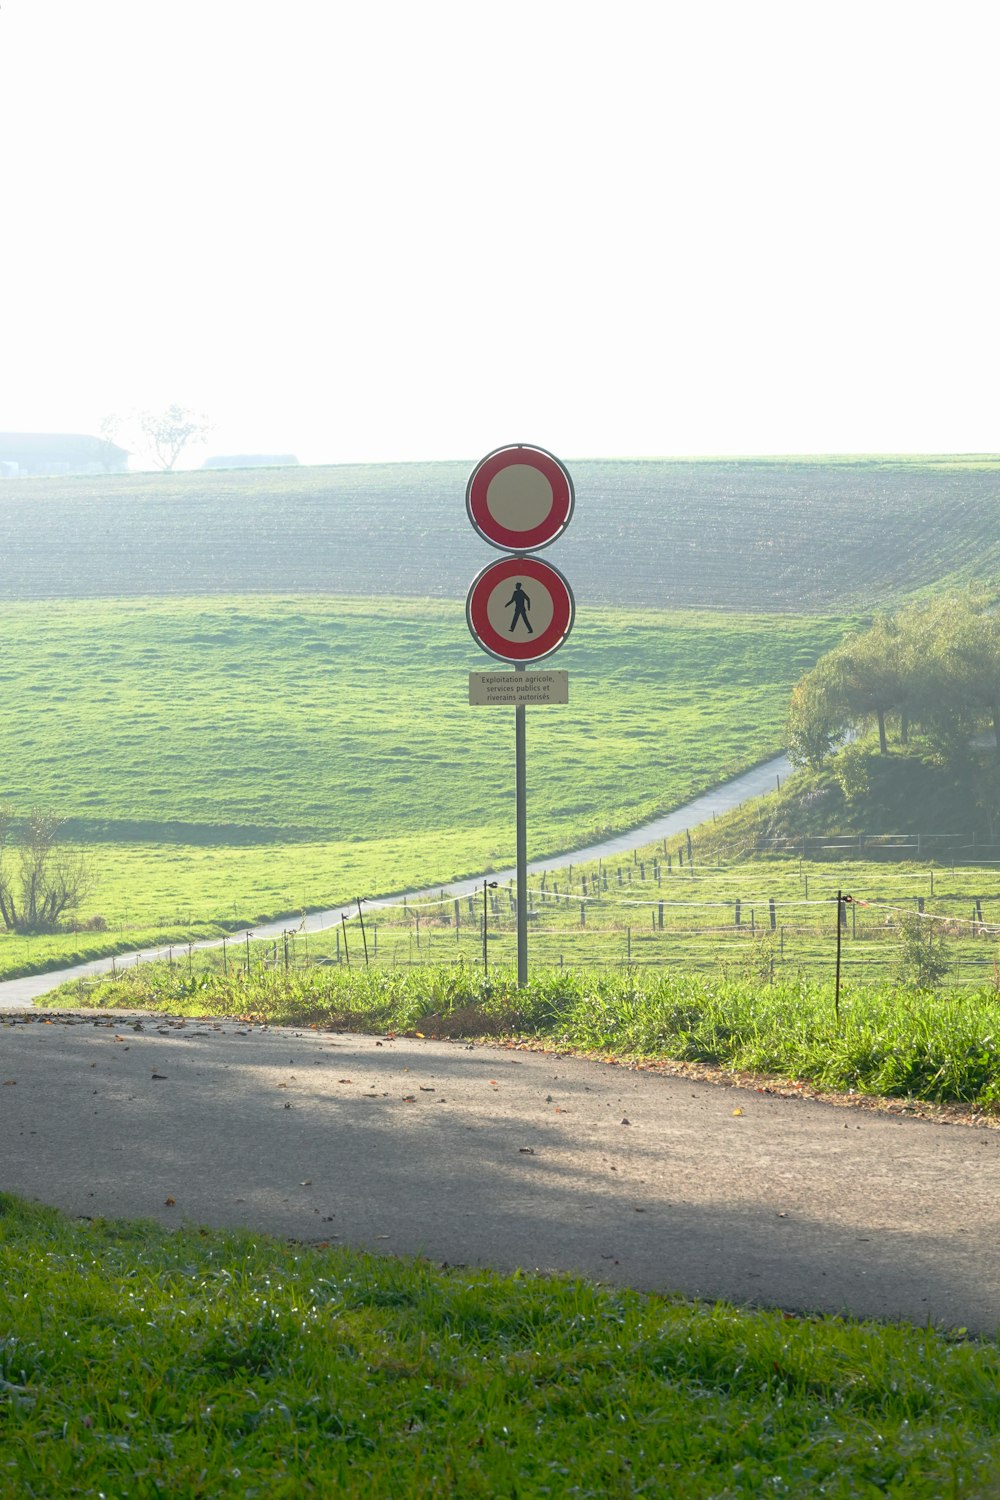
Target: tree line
x,y
934,667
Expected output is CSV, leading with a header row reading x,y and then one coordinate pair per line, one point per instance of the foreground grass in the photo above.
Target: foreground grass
x,y
139,1362
888,1041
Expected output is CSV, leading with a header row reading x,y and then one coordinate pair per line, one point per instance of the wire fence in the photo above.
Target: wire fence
x,y
592,921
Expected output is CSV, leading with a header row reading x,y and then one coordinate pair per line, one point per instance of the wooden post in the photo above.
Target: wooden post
x,y
772,913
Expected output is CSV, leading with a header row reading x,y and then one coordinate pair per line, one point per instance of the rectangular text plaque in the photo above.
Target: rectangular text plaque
x,y
510,689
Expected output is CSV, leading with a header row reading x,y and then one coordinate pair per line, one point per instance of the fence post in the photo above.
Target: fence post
x,y
736,916
661,916
772,913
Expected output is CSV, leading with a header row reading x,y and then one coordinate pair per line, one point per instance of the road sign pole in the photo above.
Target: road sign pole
x,y
521,815
519,498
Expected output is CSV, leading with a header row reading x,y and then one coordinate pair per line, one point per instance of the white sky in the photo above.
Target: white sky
x,y
398,229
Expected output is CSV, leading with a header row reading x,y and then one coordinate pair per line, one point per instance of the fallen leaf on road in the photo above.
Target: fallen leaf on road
x,y
526,1150
409,1098
626,1121
307,1182
170,1202
737,1111
8,1081
161,1076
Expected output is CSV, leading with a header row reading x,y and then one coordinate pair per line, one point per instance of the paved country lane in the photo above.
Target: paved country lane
x,y
488,1156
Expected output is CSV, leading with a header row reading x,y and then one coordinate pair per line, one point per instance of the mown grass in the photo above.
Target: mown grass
x,y
262,720
887,1040
137,1362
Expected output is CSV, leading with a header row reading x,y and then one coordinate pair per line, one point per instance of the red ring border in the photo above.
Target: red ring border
x,y
537,646
558,518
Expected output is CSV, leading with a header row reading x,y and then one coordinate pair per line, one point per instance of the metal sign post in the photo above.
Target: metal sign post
x,y
519,499
521,824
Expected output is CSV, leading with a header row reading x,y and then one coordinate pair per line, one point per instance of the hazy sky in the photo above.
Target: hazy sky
x,y
397,229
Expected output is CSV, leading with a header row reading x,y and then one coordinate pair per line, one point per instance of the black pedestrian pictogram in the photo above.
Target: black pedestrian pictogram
x,y
522,604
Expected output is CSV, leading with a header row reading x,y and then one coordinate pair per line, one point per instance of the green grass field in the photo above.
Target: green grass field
x,y
140,1362
224,760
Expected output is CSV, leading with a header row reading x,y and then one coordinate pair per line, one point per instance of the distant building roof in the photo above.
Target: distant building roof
x,y
250,461
59,453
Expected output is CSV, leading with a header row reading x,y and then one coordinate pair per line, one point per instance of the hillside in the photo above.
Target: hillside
x,y
221,720
909,800
796,536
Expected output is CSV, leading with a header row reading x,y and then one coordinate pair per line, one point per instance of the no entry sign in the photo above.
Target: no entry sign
x,y
519,498
520,609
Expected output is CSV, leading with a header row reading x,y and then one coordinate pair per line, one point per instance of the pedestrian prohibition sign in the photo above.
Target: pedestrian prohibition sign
x,y
519,498
520,609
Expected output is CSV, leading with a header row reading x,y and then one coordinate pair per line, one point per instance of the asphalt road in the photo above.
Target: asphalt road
x,y
483,1156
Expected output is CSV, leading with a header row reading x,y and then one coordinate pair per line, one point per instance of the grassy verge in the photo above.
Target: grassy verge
x,y
887,1041
139,1362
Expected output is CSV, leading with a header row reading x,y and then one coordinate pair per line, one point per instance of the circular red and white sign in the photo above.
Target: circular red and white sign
x,y
519,498
520,609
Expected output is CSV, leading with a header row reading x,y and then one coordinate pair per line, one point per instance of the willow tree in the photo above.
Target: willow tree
x,y
935,665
